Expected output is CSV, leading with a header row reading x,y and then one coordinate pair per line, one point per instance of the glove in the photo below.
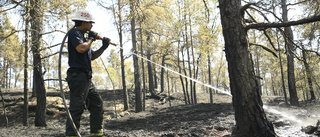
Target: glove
x,y
105,42
93,35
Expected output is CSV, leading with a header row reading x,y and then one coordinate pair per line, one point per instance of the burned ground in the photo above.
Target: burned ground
x,y
159,119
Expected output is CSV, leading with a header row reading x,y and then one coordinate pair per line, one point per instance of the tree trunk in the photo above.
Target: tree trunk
x,y
257,54
181,79
155,77
219,71
282,74
123,74
5,74
163,61
137,81
150,74
193,60
36,30
187,46
143,74
189,66
309,74
186,80
25,81
294,101
272,85
209,71
250,117
168,81
196,77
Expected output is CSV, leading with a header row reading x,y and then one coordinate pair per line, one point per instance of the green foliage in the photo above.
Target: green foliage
x,y
10,48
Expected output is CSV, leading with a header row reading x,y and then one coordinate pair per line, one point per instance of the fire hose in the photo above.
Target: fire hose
x,y
60,82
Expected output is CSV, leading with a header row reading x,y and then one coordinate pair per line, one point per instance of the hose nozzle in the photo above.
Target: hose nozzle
x,y
101,38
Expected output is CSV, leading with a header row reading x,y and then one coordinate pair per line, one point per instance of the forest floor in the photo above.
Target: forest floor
x,y
159,119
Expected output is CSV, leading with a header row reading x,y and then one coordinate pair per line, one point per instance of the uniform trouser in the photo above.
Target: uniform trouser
x,y
83,95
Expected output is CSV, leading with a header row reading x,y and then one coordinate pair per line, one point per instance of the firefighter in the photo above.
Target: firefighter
x,y
83,94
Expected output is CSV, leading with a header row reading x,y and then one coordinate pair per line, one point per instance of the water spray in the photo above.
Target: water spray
x,y
265,107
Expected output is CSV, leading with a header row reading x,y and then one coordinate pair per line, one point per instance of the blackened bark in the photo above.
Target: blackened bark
x,y
25,81
162,74
308,71
150,74
282,74
137,81
250,117
294,101
123,74
209,71
36,30
181,79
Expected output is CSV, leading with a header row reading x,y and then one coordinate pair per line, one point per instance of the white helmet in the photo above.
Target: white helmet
x,y
83,15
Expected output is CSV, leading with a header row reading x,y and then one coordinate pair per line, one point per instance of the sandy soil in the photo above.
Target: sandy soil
x,y
159,119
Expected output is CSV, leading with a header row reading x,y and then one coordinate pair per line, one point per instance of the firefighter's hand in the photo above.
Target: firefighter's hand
x,y
92,35
105,42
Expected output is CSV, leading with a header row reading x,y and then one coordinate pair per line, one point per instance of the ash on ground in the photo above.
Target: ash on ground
x,y
165,117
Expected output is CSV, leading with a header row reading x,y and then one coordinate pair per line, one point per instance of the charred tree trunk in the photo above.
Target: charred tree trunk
x,y
155,77
251,120
143,74
181,79
193,62
123,74
219,71
162,74
294,101
187,46
272,85
25,81
168,82
282,74
186,80
309,74
209,71
150,74
137,81
190,69
257,64
196,77
36,30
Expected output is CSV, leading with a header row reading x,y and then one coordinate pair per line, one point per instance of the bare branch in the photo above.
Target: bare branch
x,y
53,55
13,32
283,24
250,6
245,7
17,4
265,48
53,32
269,39
299,2
311,51
207,9
50,46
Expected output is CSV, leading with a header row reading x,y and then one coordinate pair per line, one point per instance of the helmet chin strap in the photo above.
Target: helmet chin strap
x,y
61,89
